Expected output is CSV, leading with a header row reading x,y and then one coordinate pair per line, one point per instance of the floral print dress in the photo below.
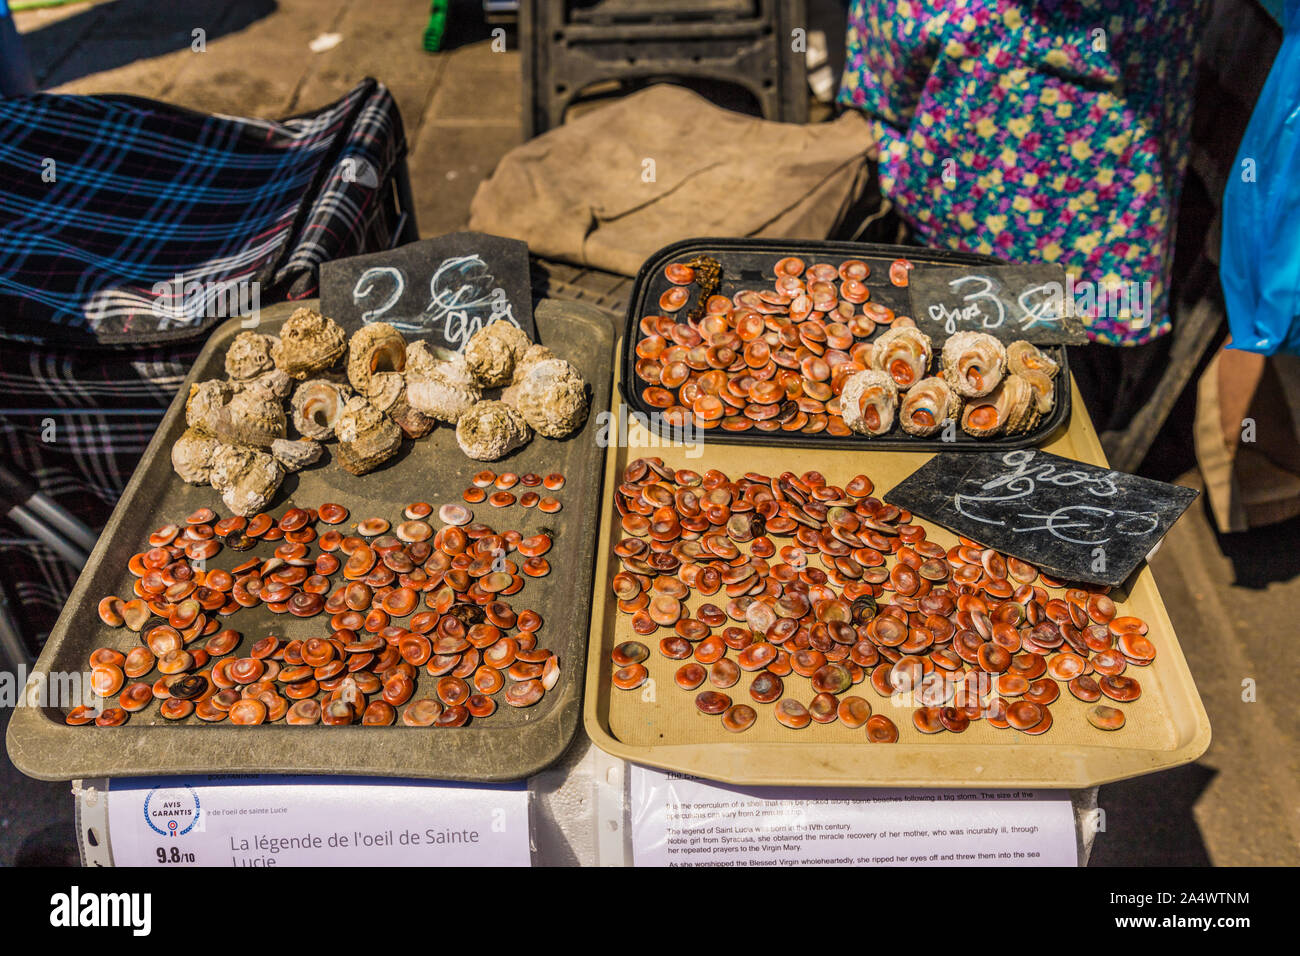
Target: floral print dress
x,y
1052,131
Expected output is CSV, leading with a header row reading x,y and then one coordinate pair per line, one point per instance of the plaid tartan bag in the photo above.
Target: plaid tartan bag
x,y
128,230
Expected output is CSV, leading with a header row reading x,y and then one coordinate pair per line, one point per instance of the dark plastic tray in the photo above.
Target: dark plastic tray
x,y
748,263
510,745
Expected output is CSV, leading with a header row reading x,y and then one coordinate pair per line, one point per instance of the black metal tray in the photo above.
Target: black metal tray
x,y
747,263
511,744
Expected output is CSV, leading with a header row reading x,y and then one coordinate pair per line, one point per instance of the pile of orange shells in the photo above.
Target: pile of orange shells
x,y
366,666
764,359
789,356
503,497
966,633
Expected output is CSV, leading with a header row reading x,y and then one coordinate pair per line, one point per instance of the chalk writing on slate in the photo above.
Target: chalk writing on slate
x,y
442,290
1031,302
1072,520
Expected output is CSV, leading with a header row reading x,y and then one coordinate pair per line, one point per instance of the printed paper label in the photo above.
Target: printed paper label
x,y
682,821
262,820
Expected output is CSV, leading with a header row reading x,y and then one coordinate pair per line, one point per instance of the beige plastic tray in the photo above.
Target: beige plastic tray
x,y
513,744
658,724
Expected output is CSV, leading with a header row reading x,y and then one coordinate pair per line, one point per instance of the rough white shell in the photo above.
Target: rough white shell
x,y
551,395
367,437
934,394
490,430
192,456
247,478
249,355
907,343
858,384
205,401
294,455
251,417
444,390
966,353
492,353
309,343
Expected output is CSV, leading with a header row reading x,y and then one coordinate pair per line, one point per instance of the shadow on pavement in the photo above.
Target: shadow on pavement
x,y
49,847
36,817
467,24
1261,556
1149,820
108,36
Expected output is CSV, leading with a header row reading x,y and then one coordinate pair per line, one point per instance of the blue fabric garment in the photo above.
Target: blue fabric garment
x,y
1259,259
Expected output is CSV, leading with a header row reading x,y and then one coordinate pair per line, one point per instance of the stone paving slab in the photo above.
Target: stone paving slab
x,y
447,164
257,62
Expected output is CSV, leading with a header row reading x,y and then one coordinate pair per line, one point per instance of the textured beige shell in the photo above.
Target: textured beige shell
x,y
421,355
1024,357
491,430
551,395
317,405
1043,387
973,363
309,343
438,395
443,389
493,351
1016,406
531,356
276,384
251,417
907,344
422,359
367,437
247,478
249,355
374,348
192,456
1021,404
456,372
877,388
388,394
934,395
204,404
294,455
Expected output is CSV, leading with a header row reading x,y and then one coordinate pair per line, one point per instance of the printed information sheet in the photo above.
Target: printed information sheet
x,y
682,821
264,820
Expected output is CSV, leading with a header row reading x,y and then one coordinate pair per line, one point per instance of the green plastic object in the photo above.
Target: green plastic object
x,y
18,6
433,33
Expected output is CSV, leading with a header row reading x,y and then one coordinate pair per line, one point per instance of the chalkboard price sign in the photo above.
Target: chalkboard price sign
x,y
442,290
1010,302
1074,521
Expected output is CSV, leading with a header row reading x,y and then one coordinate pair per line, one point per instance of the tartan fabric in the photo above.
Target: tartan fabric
x,y
352,194
104,198
87,367
76,421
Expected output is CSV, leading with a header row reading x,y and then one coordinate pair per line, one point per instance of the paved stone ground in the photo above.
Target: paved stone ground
x,y
461,107
1231,598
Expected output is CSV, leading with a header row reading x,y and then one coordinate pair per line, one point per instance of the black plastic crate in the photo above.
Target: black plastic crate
x,y
570,48
748,263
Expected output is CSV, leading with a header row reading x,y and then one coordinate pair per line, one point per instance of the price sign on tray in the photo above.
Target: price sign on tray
x,y
1073,520
441,290
1030,302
